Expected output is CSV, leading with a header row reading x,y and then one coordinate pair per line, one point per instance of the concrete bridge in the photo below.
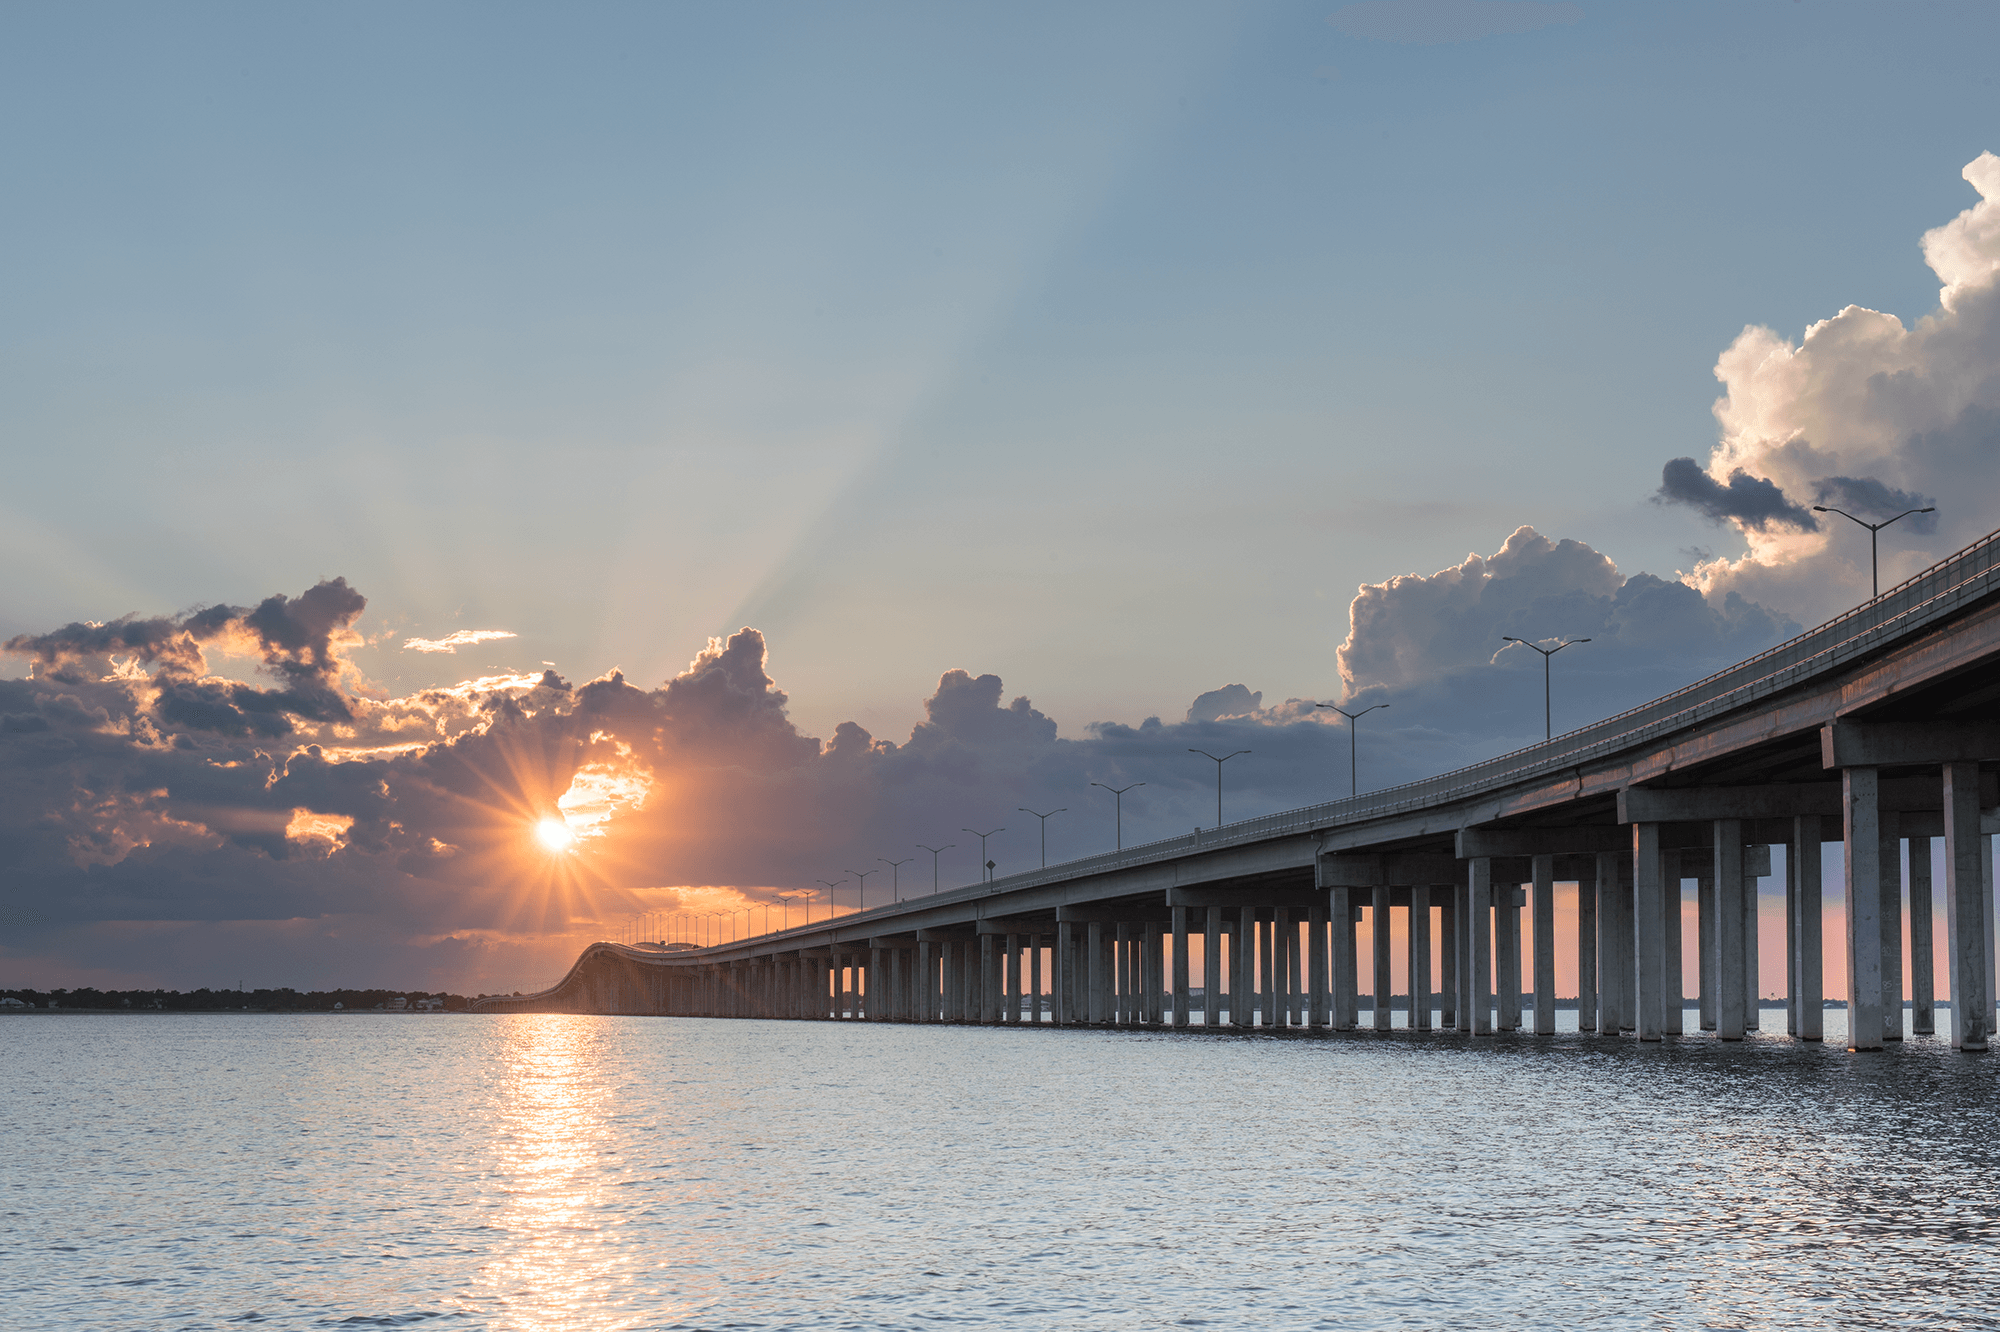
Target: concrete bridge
x,y
1879,727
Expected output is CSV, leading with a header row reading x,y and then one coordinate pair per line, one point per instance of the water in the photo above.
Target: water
x,y
178,1172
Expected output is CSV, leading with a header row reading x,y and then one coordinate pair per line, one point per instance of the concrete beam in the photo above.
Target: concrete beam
x,y
898,942
1645,804
1302,899
1103,915
1587,839
962,934
1015,925
1850,744
1390,869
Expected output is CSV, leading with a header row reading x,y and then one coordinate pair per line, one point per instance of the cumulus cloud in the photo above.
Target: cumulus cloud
x,y
455,640
1437,22
1433,644
1867,414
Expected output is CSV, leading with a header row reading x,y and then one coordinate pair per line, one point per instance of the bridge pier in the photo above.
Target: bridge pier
x,y
1923,965
1586,948
1544,886
1479,946
1378,930
1968,898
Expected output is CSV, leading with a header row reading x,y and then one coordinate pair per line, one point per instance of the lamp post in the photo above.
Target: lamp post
x,y
1218,777
1118,805
831,884
1548,728
895,875
985,870
1874,568
1045,830
1353,781
861,877
934,850
804,896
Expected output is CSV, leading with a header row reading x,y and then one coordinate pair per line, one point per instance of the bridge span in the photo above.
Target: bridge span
x,y
1879,728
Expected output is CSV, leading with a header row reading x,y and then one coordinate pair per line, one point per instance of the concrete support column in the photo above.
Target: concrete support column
x,y
1544,872
1340,959
1098,983
1211,968
989,979
1269,973
1038,1003
1753,992
1708,967
1923,963
1379,928
1791,943
1586,952
1010,980
1614,1002
1243,969
1968,900
1283,967
929,998
1649,942
1316,969
1673,1003
1181,982
1890,833
1446,896
1479,945
1507,954
1802,867
1293,966
1157,995
878,988
1861,791
1730,1018
1419,966
1065,975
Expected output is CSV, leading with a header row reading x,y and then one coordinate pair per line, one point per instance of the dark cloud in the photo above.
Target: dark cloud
x,y
1871,500
1750,500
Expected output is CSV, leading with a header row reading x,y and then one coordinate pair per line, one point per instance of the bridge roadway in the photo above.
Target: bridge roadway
x,y
1878,728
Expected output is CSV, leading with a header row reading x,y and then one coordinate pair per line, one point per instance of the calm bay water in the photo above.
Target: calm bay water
x,y
178,1172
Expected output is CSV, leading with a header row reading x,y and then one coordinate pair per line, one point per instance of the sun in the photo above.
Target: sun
x,y
554,834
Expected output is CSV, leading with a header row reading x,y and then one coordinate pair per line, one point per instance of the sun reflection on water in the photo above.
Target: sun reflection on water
x,y
558,1262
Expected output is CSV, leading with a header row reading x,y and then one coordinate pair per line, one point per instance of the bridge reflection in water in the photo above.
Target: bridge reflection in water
x,y
1879,728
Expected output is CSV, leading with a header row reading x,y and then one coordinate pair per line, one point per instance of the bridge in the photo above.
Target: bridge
x,y
1877,728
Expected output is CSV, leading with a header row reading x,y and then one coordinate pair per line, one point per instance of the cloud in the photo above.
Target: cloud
x,y
455,640
1437,22
1752,500
1866,410
1867,498
158,818
1432,645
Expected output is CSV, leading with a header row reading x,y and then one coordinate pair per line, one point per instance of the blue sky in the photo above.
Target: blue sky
x,y
1106,349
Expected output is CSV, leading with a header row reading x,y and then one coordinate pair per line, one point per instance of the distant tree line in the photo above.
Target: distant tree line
x,y
286,1000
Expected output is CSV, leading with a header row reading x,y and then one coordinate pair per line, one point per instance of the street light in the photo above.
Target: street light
x,y
805,897
1118,803
895,875
1874,573
1353,783
1218,777
861,877
831,884
1045,830
985,870
934,850
1547,727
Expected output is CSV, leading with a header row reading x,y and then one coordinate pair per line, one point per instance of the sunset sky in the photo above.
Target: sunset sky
x,y
784,434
